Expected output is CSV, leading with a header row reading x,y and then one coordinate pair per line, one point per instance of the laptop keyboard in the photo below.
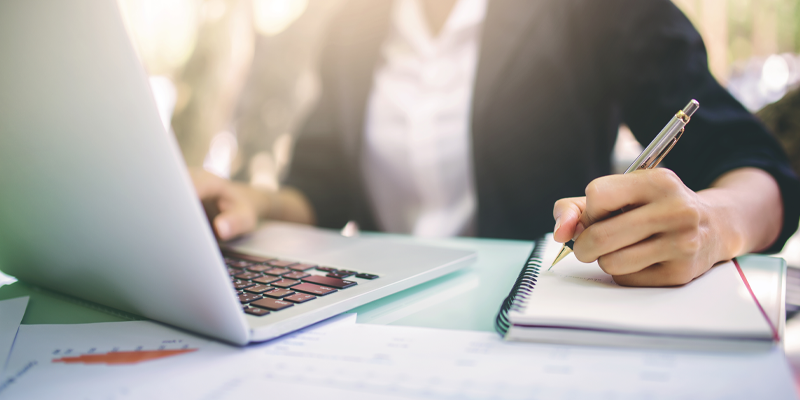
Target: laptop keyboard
x,y
266,285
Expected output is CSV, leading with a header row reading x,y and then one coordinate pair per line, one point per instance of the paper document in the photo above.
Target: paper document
x,y
341,359
11,313
107,360
393,362
6,279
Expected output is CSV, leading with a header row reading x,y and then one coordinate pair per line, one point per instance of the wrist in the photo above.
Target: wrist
x,y
274,205
286,204
750,207
723,228
268,203
259,200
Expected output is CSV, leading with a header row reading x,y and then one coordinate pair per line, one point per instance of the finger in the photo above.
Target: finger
x,y
636,257
629,228
207,185
567,214
234,221
609,194
663,274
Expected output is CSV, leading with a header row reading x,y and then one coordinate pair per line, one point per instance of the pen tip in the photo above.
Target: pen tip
x,y
565,251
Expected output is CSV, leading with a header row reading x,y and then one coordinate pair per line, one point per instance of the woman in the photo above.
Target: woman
x,y
474,117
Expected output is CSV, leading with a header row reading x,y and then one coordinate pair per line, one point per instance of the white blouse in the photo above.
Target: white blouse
x,y
417,153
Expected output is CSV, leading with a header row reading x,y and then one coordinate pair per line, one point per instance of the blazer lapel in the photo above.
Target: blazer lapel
x,y
360,52
505,26
357,48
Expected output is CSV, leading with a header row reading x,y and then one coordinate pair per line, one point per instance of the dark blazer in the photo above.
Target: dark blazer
x,y
555,79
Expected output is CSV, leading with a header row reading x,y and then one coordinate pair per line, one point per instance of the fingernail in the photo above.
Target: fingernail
x,y
223,228
558,224
578,230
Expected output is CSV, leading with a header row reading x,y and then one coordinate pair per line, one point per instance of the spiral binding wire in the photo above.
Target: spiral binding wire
x,y
518,297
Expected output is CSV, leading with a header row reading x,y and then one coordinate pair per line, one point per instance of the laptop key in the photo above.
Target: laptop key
x,y
258,289
258,312
239,264
272,304
266,279
258,268
295,275
300,298
285,283
245,298
278,293
326,269
232,255
277,271
240,284
328,281
281,263
302,267
311,288
232,271
247,275
367,276
340,274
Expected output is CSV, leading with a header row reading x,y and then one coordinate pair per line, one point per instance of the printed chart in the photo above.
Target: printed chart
x,y
121,357
100,361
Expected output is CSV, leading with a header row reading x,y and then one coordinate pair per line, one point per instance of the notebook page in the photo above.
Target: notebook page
x,y
578,295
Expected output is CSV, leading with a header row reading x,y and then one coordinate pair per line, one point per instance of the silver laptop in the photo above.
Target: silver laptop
x,y
95,200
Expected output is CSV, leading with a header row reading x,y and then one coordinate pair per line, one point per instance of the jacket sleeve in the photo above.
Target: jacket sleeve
x,y
317,168
658,63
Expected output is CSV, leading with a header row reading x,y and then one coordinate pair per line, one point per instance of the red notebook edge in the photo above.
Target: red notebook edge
x,y
775,336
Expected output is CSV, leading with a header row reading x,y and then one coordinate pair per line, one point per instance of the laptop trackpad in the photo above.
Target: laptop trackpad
x,y
309,244
293,241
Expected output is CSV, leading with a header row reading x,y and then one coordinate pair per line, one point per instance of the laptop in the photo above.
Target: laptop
x,y
96,202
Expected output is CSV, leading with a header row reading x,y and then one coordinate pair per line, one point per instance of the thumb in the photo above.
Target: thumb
x,y
567,213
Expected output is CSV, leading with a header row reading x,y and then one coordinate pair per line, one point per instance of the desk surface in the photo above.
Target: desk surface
x,y
468,299
465,300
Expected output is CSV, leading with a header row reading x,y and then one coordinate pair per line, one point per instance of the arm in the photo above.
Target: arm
x,y
748,209
237,207
671,234
731,191
323,183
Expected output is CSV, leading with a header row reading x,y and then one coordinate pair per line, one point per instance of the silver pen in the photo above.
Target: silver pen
x,y
652,155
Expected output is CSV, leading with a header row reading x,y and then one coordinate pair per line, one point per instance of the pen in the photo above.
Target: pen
x,y
652,155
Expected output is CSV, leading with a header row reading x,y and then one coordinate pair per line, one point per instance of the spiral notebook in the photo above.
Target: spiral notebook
x,y
577,303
